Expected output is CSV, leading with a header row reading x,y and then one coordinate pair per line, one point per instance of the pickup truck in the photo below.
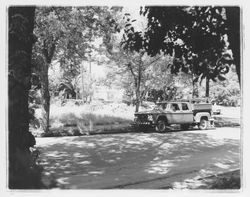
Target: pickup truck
x,y
184,113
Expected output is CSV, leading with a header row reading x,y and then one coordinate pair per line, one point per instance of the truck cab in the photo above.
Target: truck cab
x,y
176,111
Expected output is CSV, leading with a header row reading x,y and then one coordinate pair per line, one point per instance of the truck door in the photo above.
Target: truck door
x,y
187,114
176,115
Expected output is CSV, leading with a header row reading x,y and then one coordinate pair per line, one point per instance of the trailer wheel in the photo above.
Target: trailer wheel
x,y
203,124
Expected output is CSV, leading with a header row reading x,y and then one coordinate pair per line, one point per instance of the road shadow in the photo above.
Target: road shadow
x,y
156,154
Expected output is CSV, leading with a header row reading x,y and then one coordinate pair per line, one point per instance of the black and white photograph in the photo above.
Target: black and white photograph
x,y
124,97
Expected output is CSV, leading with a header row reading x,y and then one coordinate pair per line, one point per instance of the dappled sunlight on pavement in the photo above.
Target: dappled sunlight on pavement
x,y
159,167
126,160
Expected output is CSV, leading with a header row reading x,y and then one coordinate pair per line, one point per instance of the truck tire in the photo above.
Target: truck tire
x,y
161,125
203,124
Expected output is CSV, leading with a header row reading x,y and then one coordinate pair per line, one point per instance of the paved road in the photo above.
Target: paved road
x,y
140,160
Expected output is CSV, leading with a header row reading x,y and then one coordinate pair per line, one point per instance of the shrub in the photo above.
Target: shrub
x,y
68,119
226,92
80,120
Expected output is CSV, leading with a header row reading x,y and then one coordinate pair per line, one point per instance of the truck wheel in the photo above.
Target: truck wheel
x,y
161,126
184,126
203,124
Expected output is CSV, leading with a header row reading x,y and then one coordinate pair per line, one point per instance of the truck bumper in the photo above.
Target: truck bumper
x,y
143,123
211,123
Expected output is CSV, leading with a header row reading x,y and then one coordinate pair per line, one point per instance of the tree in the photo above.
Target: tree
x,y
129,62
194,36
162,84
233,31
23,173
132,63
139,67
136,68
139,74
65,34
49,31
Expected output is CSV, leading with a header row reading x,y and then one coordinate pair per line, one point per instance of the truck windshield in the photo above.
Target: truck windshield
x,y
161,106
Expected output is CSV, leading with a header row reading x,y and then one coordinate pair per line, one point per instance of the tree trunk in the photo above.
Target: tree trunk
x,y
21,168
48,53
137,93
82,72
46,96
138,85
195,93
233,22
90,82
207,86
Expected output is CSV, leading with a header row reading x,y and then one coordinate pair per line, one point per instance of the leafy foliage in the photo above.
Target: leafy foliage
x,y
234,36
66,35
227,92
194,36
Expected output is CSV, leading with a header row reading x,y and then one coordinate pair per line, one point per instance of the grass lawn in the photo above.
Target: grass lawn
x,y
79,120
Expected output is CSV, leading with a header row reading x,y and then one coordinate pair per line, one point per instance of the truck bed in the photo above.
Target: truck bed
x,y
202,106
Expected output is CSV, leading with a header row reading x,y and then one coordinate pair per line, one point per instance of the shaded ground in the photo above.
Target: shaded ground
x,y
140,160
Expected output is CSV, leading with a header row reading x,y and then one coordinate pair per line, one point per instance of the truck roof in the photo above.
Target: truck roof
x,y
161,102
195,100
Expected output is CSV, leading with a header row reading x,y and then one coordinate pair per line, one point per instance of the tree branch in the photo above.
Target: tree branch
x,y
51,52
45,50
154,61
49,49
131,70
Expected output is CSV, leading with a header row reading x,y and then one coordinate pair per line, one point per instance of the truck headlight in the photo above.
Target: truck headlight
x,y
150,117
